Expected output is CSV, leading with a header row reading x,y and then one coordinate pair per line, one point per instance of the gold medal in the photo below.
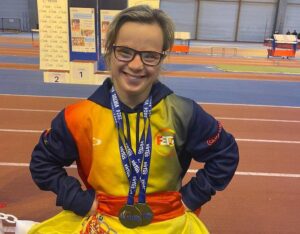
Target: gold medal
x,y
130,216
146,212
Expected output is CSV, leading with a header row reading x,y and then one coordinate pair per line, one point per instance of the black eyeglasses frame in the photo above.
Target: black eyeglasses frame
x,y
140,53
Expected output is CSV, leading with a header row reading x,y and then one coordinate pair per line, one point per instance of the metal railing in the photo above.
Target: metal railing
x,y
223,51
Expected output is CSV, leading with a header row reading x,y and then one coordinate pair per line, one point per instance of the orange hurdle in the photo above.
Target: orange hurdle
x,y
182,45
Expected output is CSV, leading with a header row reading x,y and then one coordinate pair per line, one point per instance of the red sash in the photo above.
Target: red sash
x,y
164,205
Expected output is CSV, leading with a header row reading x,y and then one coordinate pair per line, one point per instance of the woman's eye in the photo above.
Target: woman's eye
x,y
151,56
125,52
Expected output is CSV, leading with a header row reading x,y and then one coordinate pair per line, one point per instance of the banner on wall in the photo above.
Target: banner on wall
x,y
106,17
107,11
53,34
152,3
83,36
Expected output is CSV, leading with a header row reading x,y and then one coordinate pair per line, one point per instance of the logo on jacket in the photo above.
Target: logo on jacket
x,y
164,142
165,137
214,138
96,141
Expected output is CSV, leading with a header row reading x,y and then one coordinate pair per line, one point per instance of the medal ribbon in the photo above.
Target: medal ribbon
x,y
143,154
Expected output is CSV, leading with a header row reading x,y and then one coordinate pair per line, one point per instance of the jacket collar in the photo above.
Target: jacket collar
x,y
102,96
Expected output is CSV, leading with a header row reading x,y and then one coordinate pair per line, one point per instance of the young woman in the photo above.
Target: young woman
x,y
133,141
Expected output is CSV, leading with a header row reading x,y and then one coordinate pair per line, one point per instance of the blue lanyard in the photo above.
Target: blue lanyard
x,y
137,165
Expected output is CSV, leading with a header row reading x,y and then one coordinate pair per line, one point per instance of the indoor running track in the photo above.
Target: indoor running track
x,y
262,198
261,110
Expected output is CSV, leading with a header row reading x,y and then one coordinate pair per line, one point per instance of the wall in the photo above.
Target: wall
x,y
220,20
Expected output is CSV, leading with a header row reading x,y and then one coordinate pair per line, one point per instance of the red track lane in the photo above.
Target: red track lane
x,y
250,204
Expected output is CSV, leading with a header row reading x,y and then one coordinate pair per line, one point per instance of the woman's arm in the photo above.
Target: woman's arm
x,y
55,150
208,142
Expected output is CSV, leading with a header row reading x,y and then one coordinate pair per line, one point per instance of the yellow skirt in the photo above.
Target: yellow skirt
x,y
66,222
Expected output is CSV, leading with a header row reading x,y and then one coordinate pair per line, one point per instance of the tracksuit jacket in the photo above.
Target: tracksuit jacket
x,y
85,132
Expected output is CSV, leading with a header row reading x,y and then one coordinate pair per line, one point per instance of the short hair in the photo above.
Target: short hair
x,y
140,14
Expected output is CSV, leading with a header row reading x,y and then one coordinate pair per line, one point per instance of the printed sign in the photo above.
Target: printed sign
x,y
106,17
56,77
53,34
83,37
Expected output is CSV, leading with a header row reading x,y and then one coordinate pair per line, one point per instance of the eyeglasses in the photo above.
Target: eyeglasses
x,y
126,54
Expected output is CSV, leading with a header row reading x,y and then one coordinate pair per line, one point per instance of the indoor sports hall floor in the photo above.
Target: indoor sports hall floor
x,y
262,112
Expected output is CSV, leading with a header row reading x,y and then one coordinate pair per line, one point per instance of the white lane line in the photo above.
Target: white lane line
x,y
250,105
20,130
217,117
7,164
244,173
267,141
267,174
28,110
237,139
258,120
40,96
241,173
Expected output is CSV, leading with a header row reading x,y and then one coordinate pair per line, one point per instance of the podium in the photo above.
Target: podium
x,y
282,46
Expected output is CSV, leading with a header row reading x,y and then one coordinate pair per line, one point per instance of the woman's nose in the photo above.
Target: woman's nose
x,y
136,63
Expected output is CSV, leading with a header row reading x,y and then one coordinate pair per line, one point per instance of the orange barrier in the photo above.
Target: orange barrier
x,y
180,49
182,42
281,53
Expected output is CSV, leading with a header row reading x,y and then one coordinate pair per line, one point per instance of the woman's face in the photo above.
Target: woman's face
x,y
134,79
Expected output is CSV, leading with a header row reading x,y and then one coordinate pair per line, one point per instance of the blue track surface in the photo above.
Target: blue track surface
x,y
189,67
19,59
255,92
15,45
31,83
278,93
